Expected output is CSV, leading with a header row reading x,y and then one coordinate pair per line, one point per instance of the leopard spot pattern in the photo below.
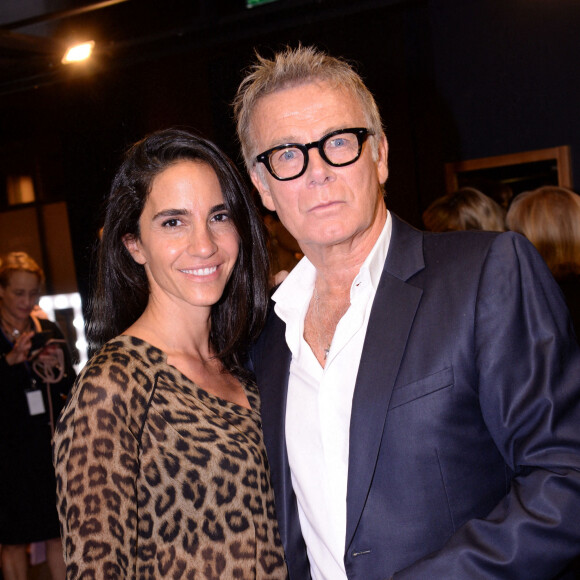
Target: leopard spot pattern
x,y
157,478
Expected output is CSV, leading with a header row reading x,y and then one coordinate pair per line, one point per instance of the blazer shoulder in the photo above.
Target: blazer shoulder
x,y
413,251
468,247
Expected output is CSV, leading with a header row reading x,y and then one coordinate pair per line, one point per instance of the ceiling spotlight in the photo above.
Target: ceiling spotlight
x,y
78,52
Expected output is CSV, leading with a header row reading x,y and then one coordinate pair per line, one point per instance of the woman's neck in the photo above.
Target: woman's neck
x,y
13,326
173,333
183,335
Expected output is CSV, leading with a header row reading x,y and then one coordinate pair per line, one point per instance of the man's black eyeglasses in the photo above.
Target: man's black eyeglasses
x,y
338,148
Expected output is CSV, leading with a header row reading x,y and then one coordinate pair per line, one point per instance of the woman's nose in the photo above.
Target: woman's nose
x,y
201,242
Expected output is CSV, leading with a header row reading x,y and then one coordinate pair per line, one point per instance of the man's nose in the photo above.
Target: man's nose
x,y
317,166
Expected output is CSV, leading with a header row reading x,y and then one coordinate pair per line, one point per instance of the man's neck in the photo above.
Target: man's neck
x,y
338,265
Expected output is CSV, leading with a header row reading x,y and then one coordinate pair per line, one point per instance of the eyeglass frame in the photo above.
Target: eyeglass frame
x,y
361,133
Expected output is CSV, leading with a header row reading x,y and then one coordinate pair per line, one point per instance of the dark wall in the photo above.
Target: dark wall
x,y
508,72
377,41
455,79
90,120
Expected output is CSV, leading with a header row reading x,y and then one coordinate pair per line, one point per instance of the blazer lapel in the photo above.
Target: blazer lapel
x,y
272,361
383,350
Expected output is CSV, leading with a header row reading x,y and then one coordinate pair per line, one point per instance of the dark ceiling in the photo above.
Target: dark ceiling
x,y
35,33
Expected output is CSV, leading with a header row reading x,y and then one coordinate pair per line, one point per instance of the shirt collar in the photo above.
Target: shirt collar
x,y
375,261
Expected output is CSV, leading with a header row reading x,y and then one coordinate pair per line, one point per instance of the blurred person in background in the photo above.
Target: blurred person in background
x,y
34,380
499,191
550,218
465,209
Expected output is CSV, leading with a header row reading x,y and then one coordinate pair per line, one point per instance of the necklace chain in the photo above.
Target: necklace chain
x,y
14,333
325,323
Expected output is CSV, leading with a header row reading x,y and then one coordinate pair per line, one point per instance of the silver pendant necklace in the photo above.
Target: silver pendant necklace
x,y
14,333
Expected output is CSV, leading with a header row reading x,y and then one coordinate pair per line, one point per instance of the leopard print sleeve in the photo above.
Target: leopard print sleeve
x,y
96,450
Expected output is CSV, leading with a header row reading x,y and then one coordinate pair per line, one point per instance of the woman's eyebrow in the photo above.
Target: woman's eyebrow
x,y
170,213
176,212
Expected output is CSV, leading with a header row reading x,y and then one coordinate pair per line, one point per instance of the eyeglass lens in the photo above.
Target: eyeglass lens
x,y
338,149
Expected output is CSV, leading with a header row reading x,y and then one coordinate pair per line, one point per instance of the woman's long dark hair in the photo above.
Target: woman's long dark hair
x,y
122,291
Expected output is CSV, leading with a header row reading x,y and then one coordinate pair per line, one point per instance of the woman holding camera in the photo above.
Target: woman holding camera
x,y
29,403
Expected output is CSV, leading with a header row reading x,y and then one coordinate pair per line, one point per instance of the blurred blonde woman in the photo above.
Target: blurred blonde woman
x,y
465,209
550,218
30,401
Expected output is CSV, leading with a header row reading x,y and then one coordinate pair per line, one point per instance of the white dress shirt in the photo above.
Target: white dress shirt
x,y
319,406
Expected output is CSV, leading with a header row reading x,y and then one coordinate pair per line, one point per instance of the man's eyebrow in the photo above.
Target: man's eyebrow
x,y
288,139
219,207
291,139
283,140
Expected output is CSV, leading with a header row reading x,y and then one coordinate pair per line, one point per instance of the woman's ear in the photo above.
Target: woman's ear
x,y
133,245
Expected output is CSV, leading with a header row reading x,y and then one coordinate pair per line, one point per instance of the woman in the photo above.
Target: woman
x,y
550,218
31,396
160,463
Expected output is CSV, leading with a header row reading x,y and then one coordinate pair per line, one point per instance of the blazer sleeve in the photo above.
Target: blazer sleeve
x,y
528,380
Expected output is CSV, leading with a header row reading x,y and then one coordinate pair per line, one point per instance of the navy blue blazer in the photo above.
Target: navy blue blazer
x,y
464,458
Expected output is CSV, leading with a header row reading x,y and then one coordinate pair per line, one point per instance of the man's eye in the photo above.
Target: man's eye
x,y
338,143
286,155
171,223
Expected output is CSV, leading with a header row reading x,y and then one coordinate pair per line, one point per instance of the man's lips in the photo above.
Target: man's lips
x,y
326,205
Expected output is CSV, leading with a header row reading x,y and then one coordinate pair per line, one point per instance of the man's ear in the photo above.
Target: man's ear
x,y
263,189
134,247
382,160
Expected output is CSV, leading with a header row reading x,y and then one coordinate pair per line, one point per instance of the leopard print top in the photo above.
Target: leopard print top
x,y
156,478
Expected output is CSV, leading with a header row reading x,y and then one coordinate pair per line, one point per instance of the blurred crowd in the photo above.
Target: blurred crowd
x,y
548,216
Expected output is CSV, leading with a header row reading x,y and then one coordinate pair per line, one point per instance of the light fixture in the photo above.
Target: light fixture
x,y
56,307
78,52
20,189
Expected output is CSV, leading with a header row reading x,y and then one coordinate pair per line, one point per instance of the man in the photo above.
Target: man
x,y
419,391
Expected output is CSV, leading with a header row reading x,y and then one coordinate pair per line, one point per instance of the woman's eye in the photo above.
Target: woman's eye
x,y
220,217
